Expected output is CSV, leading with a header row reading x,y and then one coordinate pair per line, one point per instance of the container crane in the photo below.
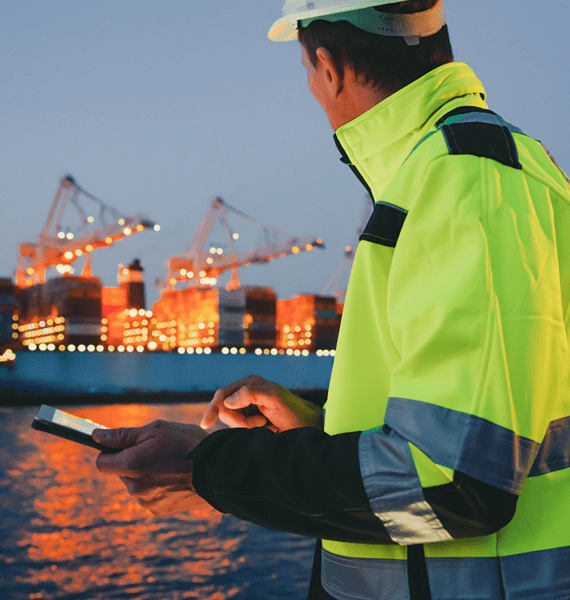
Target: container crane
x,y
57,248
201,267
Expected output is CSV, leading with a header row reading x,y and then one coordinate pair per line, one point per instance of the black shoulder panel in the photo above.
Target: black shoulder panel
x,y
384,225
467,130
486,139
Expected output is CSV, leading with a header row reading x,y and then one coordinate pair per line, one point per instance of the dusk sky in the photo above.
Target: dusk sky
x,y
157,107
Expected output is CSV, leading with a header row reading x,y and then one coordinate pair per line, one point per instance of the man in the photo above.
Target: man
x,y
443,470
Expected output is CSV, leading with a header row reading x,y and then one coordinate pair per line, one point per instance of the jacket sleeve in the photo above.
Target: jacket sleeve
x,y
302,481
307,482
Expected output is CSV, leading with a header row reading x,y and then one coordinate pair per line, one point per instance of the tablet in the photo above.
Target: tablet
x,y
68,426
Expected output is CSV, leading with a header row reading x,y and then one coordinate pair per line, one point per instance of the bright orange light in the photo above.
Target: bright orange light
x,y
295,249
68,255
309,247
173,281
109,240
140,227
127,231
78,252
89,248
347,249
30,271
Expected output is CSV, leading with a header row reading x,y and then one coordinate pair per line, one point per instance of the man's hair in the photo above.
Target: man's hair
x,y
383,62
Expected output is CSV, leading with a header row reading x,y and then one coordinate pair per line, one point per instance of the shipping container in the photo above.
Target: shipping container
x,y
8,312
260,330
126,323
307,322
60,312
131,280
231,308
194,318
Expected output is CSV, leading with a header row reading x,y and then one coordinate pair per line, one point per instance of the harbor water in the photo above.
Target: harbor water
x,y
70,532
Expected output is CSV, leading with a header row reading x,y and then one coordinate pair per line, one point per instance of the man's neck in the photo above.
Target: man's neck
x,y
354,100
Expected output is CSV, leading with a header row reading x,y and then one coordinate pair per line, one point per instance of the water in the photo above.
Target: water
x,y
69,532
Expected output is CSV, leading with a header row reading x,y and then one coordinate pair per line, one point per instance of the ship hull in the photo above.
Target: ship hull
x,y
113,373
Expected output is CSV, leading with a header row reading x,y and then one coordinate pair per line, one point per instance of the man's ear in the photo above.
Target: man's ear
x,y
332,73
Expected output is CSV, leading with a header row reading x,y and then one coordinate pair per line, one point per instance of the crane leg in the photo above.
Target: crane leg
x,y
233,283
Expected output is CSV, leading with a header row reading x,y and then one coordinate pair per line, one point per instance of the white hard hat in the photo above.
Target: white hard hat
x,y
360,14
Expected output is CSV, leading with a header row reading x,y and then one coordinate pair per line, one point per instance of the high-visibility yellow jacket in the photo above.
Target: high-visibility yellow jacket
x,y
453,352
444,469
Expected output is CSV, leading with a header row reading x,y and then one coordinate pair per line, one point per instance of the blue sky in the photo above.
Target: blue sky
x,y
157,107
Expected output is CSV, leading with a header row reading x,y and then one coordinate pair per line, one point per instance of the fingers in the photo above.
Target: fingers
x,y
148,488
241,398
212,410
216,408
233,416
117,439
248,419
244,408
110,463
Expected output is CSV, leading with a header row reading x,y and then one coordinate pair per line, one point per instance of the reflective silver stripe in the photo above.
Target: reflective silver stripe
x,y
418,524
459,441
394,489
541,575
347,578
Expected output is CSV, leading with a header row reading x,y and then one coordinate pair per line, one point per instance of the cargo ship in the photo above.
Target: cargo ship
x,y
75,316
70,335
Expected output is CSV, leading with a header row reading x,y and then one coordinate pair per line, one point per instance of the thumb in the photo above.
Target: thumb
x,y
120,438
236,401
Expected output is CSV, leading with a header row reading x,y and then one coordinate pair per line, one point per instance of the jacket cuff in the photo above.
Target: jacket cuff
x,y
302,481
394,489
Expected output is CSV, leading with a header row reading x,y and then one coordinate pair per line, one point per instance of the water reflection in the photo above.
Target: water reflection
x,y
70,532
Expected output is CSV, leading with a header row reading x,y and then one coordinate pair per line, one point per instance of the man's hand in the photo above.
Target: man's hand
x,y
278,409
151,464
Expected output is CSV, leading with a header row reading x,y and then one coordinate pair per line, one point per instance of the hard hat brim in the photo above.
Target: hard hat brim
x,y
285,28
411,26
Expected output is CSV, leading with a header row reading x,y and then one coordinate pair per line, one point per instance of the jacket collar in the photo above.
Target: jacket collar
x,y
377,143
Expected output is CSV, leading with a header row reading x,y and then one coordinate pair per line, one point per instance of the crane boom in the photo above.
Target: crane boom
x,y
199,267
56,248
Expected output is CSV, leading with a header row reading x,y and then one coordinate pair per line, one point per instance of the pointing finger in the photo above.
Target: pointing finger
x,y
210,414
213,409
